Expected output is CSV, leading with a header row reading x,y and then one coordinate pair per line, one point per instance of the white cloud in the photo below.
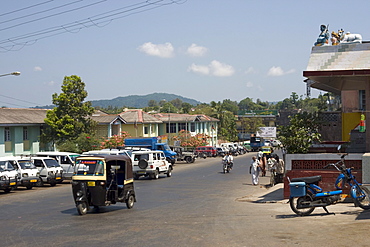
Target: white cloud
x,y
221,69
251,70
50,83
199,69
160,50
278,71
37,68
249,84
215,68
196,51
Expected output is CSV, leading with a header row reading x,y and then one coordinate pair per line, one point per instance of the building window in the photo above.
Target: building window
x,y
192,127
25,133
146,130
171,128
7,134
362,100
182,126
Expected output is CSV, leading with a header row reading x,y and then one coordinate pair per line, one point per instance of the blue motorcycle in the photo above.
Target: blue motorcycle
x,y
306,195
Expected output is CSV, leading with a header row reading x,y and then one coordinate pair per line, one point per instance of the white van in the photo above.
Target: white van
x,y
65,159
50,170
27,171
8,175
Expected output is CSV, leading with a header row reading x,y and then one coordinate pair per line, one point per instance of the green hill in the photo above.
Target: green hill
x,y
141,101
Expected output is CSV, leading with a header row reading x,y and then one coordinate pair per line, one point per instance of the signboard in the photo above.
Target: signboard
x,y
266,132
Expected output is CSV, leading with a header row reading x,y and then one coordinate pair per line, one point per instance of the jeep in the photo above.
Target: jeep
x,y
150,164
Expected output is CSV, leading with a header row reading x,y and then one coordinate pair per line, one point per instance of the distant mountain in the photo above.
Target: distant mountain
x,y
140,101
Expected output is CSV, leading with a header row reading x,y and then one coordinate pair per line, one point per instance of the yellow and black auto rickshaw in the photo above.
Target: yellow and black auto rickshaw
x,y
101,180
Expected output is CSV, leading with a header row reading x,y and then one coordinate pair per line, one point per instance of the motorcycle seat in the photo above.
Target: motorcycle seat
x,y
307,180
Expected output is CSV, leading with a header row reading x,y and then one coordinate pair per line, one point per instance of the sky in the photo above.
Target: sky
x,y
207,50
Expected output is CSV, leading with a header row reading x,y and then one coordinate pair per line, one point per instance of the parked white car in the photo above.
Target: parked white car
x,y
150,164
65,159
9,178
27,171
50,170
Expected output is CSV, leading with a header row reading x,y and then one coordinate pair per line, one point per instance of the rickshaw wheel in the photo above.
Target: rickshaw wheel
x,y
130,201
82,208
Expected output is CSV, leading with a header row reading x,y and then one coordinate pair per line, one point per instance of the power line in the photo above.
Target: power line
x,y
18,42
29,7
40,12
25,101
53,15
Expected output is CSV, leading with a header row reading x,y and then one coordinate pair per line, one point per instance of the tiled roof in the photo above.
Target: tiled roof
x,y
105,119
175,117
22,116
138,116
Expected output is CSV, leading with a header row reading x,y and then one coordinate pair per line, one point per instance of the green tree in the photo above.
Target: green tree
x,y
152,103
251,125
71,115
301,132
168,107
231,106
176,103
186,107
83,143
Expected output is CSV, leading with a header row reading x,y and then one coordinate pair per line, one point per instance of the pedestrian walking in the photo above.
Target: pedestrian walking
x,y
280,169
254,169
262,160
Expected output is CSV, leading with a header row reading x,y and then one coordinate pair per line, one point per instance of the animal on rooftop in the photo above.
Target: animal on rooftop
x,y
335,38
350,38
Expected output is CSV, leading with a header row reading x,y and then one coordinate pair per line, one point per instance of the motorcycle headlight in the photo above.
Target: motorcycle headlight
x,y
25,175
38,174
3,178
50,173
79,193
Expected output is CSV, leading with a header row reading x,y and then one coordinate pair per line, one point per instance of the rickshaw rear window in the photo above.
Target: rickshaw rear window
x,y
89,167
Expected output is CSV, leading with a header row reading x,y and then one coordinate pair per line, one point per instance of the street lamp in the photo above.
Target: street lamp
x,y
16,73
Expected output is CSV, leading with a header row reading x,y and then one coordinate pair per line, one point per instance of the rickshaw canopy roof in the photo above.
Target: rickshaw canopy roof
x,y
109,159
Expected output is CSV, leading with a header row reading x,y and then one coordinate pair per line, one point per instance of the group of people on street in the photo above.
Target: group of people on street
x,y
259,164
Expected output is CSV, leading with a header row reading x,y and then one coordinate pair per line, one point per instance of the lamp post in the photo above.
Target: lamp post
x,y
16,73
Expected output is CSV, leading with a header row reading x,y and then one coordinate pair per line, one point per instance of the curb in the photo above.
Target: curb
x,y
266,194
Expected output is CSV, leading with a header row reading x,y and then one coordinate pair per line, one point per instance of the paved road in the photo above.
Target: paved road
x,y
197,206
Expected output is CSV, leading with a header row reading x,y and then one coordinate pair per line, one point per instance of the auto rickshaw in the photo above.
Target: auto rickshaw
x,y
102,180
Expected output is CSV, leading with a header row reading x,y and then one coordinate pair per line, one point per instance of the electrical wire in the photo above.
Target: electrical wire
x,y
53,15
25,101
29,7
40,12
18,42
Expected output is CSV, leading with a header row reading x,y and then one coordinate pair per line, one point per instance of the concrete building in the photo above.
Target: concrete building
x,y
342,69
20,130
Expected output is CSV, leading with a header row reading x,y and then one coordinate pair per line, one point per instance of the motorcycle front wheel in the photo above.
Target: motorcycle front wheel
x,y
298,204
362,198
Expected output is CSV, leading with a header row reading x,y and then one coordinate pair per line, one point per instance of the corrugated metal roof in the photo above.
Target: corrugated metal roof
x,y
22,116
